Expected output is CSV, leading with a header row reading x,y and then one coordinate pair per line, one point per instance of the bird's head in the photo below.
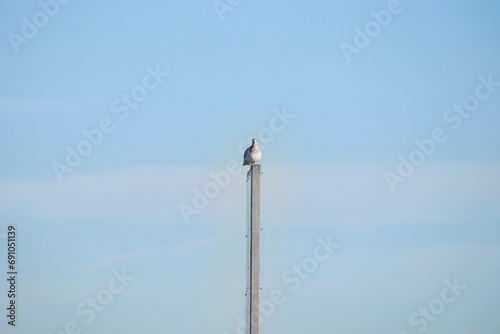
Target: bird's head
x,y
254,141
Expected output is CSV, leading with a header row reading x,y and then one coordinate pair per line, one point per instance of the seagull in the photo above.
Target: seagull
x,y
252,155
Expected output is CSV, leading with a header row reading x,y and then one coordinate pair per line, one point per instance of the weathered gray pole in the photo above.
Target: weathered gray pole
x,y
253,235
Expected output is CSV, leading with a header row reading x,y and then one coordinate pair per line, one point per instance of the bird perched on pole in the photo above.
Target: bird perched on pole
x,y
252,155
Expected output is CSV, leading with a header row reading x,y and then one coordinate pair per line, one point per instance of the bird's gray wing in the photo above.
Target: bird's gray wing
x,y
247,151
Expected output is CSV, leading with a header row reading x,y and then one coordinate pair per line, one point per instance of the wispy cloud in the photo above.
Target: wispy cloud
x,y
145,192
324,194
28,105
124,258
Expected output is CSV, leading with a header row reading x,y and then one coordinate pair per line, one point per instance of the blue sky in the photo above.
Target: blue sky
x,y
392,152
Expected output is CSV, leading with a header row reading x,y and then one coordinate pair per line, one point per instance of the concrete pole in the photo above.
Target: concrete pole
x,y
253,235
